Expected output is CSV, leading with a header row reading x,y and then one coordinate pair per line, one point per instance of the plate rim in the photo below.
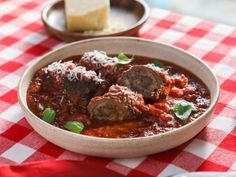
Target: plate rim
x,y
27,111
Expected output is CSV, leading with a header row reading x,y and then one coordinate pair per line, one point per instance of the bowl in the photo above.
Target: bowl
x,y
133,14
126,147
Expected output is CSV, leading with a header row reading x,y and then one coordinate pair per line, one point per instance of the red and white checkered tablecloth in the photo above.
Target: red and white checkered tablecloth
x,y
23,39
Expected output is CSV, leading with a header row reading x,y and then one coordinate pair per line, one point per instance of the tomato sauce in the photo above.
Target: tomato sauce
x,y
160,116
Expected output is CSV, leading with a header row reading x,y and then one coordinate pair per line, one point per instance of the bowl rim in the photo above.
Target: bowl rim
x,y
141,21
27,111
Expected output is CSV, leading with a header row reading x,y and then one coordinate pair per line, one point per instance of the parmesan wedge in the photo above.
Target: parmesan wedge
x,y
83,15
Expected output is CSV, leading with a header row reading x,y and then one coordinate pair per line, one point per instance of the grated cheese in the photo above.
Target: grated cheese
x,y
59,67
98,58
71,71
127,95
111,28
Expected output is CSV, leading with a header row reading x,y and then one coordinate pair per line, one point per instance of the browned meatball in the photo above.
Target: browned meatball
x,y
118,104
76,82
82,85
152,82
99,62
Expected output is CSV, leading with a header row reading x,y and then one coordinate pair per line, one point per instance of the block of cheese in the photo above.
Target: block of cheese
x,y
82,15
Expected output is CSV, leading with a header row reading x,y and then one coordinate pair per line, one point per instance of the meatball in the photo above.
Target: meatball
x,y
103,65
75,81
152,82
82,85
118,104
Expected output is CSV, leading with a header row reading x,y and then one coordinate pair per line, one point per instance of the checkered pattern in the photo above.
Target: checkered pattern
x,y
23,38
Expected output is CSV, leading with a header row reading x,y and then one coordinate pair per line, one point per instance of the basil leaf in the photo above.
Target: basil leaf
x,y
123,59
74,126
183,109
160,65
49,115
122,56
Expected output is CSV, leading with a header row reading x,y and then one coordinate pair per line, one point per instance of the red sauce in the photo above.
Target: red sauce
x,y
160,117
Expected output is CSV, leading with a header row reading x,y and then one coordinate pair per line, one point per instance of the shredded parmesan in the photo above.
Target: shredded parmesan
x,y
59,67
98,58
79,73
62,98
71,71
111,28
126,93
40,106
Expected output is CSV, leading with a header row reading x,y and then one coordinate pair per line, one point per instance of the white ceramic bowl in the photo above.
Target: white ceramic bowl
x,y
129,147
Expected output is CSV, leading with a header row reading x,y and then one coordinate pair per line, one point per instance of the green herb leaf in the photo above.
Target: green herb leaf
x,y
183,109
49,115
160,65
123,59
74,126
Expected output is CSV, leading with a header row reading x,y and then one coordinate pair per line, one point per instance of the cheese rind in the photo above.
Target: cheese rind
x,y
83,15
